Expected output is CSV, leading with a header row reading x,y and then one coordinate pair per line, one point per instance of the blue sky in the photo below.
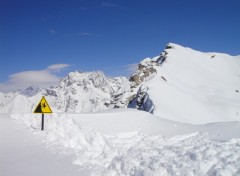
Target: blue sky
x,y
110,35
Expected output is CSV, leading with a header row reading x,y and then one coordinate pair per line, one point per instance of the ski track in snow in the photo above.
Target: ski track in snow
x,y
137,154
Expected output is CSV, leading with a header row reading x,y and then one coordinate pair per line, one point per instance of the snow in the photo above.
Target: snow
x,y
86,91
182,84
131,142
194,128
22,153
199,88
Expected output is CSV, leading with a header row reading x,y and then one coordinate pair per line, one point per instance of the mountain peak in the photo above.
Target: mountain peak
x,y
173,46
187,83
30,91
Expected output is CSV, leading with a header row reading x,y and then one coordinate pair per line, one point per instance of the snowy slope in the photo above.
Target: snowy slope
x,y
129,142
194,87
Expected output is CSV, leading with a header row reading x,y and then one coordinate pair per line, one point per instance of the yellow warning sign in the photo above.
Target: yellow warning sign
x,y
43,107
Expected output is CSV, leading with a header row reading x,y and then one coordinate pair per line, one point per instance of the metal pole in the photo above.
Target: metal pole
x,y
42,121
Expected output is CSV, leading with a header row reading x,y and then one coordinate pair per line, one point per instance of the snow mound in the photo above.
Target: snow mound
x,y
132,152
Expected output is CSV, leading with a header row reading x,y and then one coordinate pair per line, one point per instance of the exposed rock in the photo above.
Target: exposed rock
x,y
50,92
138,97
136,79
145,69
142,101
164,78
169,47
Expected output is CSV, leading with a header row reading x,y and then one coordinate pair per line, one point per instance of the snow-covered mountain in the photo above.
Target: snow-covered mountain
x,y
77,92
87,92
189,86
180,84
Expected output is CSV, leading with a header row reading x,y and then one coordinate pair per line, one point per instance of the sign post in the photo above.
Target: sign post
x,y
42,122
42,108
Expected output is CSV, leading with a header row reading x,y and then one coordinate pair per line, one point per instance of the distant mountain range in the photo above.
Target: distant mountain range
x,y
180,84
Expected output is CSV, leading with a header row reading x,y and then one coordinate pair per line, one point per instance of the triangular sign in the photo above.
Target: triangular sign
x,y
43,107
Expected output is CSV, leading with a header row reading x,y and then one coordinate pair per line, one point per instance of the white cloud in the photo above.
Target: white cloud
x,y
131,68
57,67
40,78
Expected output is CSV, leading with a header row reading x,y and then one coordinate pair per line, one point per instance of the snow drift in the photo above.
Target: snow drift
x,y
129,142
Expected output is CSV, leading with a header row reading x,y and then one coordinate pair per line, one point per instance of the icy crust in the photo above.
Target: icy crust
x,y
134,153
